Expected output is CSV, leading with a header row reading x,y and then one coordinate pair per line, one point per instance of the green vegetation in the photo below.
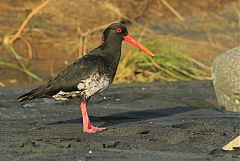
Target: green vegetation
x,y
169,64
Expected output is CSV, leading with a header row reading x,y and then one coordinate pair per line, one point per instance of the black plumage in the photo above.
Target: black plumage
x,y
88,75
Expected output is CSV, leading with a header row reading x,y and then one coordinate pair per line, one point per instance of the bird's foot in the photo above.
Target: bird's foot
x,y
92,129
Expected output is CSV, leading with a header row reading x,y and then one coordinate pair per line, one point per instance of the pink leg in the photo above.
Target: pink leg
x,y
87,126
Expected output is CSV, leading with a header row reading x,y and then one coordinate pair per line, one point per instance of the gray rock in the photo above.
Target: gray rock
x,y
111,144
226,79
65,145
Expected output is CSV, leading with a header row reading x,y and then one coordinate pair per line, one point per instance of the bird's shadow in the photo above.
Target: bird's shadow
x,y
131,116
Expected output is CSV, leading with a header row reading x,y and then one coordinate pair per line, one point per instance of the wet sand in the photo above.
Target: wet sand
x,y
156,121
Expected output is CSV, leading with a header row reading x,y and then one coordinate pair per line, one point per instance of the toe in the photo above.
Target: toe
x,y
90,131
93,129
98,128
101,129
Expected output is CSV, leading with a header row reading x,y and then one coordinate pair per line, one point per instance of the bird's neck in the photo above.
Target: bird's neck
x,y
112,47
112,42
112,52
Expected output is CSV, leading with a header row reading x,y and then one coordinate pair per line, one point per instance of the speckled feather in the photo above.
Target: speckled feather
x,y
86,88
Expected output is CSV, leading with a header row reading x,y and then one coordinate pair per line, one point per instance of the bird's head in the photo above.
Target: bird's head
x,y
119,32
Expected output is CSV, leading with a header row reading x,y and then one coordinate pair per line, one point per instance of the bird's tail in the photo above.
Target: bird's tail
x,y
35,93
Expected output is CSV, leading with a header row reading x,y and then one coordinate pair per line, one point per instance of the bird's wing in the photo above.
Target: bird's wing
x,y
68,79
80,70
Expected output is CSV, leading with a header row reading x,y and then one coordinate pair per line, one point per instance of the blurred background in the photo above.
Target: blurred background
x,y
39,38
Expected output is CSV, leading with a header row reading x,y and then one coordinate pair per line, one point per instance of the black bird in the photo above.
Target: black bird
x,y
88,75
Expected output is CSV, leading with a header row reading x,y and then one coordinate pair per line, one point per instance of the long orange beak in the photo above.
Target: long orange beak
x,y
138,45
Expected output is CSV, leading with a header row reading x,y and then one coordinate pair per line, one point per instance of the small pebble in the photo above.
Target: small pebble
x,y
65,145
118,99
111,144
144,132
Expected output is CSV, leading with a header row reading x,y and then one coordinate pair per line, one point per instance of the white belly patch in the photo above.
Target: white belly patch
x,y
88,87
95,83
66,95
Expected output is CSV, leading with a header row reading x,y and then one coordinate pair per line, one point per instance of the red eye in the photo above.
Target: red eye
x,y
118,30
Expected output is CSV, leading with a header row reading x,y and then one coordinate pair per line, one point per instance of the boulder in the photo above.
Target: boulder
x,y
226,79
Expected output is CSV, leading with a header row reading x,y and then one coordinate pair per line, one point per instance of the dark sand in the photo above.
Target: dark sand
x,y
157,121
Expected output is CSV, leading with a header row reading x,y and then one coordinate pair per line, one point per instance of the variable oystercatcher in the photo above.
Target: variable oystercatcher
x,y
88,75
